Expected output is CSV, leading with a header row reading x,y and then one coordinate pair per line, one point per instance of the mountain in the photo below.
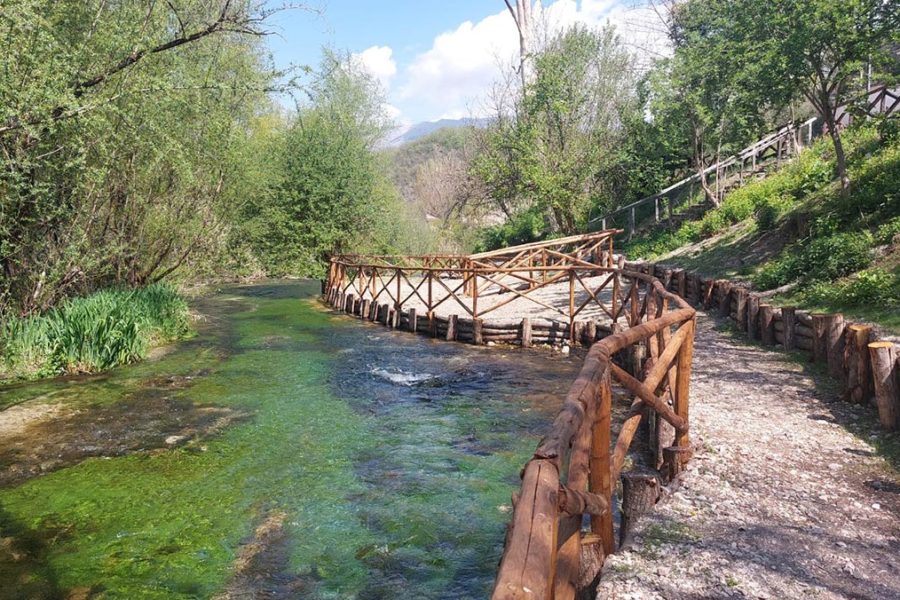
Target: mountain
x,y
420,130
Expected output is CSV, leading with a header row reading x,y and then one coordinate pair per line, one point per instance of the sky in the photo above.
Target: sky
x,y
438,59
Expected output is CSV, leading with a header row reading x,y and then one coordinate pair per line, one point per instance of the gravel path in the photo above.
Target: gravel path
x,y
780,500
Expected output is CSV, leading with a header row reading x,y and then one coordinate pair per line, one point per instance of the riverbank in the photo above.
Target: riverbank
x,y
92,334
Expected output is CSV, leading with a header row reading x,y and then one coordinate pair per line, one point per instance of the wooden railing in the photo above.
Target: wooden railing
x,y
478,285
572,476
780,144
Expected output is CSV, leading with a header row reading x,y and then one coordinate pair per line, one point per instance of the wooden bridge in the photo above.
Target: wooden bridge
x,y
562,526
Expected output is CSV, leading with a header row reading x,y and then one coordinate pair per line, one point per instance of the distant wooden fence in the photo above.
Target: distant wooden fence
x,y
867,368
471,287
778,145
572,476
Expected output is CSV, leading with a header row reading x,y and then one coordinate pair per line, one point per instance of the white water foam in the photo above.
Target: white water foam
x,y
401,377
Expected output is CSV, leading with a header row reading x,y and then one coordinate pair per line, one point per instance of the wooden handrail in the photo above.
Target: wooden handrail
x,y
544,544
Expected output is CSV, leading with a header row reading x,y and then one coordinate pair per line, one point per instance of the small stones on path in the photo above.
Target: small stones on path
x,y
780,501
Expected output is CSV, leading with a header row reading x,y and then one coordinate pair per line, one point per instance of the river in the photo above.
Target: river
x,y
284,452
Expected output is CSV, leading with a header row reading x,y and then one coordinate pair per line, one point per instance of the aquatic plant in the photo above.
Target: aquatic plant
x,y
94,333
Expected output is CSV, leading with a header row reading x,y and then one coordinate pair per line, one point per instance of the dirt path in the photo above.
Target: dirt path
x,y
780,501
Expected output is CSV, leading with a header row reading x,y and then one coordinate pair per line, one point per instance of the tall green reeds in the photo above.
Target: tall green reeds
x,y
95,333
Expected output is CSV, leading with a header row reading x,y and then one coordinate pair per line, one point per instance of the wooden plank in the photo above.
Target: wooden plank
x,y
528,566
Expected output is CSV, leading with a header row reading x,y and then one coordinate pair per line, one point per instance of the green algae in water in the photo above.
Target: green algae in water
x,y
387,490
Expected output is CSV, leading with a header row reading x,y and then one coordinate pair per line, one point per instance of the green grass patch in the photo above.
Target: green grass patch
x,y
93,333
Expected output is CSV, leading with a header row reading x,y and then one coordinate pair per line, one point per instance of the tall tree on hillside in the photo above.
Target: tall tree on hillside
x,y
815,49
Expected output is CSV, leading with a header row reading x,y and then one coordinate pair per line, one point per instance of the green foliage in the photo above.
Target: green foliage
x,y
526,227
887,233
329,193
871,287
558,152
120,130
94,333
820,259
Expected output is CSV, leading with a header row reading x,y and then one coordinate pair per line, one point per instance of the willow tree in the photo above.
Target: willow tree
x,y
117,125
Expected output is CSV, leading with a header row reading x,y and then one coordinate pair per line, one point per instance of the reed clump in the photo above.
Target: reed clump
x,y
93,333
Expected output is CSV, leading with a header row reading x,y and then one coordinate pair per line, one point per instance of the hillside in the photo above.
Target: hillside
x,y
796,235
420,130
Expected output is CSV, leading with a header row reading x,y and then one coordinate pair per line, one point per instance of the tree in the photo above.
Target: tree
x,y
788,48
521,14
117,124
331,195
556,154
711,91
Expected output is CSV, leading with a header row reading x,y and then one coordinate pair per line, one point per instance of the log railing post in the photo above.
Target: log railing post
x,y
474,294
887,389
683,381
789,320
572,306
600,475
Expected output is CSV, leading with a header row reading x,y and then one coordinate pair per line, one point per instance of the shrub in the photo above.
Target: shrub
x,y
713,222
838,255
822,259
775,273
888,232
769,210
94,333
867,288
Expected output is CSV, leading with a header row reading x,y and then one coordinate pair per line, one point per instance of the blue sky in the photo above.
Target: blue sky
x,y
435,59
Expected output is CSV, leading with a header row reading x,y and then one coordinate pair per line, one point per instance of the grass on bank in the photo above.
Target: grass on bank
x,y
93,333
835,251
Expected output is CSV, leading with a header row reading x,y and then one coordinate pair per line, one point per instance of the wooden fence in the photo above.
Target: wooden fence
x,y
867,368
401,291
572,476
774,147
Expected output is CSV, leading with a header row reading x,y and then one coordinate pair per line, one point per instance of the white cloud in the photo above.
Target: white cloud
x,y
379,62
455,76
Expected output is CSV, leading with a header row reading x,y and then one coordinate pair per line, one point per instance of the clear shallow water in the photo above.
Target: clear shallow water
x,y
285,452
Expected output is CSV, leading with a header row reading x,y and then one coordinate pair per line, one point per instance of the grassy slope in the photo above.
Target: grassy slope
x,y
839,252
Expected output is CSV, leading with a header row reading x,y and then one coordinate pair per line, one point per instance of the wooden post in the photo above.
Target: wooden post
x,y
789,319
683,382
572,307
600,482
640,492
674,459
429,308
725,305
820,353
474,295
741,311
681,283
397,307
834,344
887,390
590,332
753,317
767,324
526,332
451,327
413,320
477,336
856,360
